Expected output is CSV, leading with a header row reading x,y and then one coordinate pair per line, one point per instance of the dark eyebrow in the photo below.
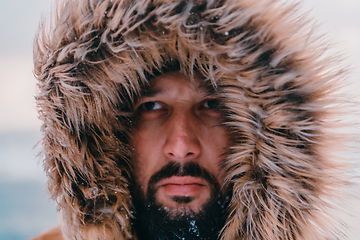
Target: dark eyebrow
x,y
152,92
207,88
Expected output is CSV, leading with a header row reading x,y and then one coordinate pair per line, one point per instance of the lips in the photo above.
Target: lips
x,y
182,186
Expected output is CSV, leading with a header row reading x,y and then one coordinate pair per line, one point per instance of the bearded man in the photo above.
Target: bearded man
x,y
169,119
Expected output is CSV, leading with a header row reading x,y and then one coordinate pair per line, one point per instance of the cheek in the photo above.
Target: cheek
x,y
146,156
215,143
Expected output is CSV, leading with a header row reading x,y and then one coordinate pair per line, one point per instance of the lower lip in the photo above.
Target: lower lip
x,y
182,189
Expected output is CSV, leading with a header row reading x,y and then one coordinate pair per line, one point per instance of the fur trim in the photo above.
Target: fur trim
x,y
260,56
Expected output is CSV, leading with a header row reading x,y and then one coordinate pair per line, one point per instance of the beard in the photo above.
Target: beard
x,y
154,221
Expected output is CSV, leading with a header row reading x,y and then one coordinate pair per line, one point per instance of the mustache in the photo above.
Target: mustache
x,y
176,169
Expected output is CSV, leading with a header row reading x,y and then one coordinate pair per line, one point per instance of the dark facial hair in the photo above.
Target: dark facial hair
x,y
153,221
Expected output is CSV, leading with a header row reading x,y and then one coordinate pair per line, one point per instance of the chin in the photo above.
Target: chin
x,y
180,216
179,204
176,209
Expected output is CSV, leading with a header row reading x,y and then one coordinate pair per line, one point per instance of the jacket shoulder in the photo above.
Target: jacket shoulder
x,y
52,234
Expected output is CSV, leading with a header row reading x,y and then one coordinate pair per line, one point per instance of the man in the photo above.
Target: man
x,y
178,143
187,120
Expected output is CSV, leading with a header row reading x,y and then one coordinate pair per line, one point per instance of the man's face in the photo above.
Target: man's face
x,y
179,144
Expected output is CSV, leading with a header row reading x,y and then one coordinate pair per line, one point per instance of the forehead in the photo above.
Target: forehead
x,y
174,81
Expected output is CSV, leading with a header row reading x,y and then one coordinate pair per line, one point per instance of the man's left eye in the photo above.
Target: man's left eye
x,y
212,103
150,106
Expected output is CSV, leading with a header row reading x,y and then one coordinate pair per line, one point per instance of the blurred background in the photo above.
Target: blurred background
x,y
25,208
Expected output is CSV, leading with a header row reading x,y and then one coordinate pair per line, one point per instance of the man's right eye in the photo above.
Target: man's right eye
x,y
150,106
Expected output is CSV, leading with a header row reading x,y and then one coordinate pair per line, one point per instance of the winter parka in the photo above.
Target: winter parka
x,y
265,61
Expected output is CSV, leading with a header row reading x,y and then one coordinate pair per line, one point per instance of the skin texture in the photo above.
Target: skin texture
x,y
178,122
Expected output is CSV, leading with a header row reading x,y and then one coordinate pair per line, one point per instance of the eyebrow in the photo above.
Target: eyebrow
x,y
207,88
152,92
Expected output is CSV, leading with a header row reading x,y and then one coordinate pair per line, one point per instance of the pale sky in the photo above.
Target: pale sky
x,y
19,20
18,23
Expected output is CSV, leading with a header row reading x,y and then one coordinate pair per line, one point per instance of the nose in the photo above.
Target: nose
x,y
182,142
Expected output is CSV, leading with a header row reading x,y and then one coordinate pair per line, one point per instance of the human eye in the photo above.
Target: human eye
x,y
150,106
212,103
210,109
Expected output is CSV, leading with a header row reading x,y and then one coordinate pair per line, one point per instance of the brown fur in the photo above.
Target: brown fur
x,y
263,60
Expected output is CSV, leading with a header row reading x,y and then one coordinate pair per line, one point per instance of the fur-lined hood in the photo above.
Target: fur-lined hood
x,y
260,56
